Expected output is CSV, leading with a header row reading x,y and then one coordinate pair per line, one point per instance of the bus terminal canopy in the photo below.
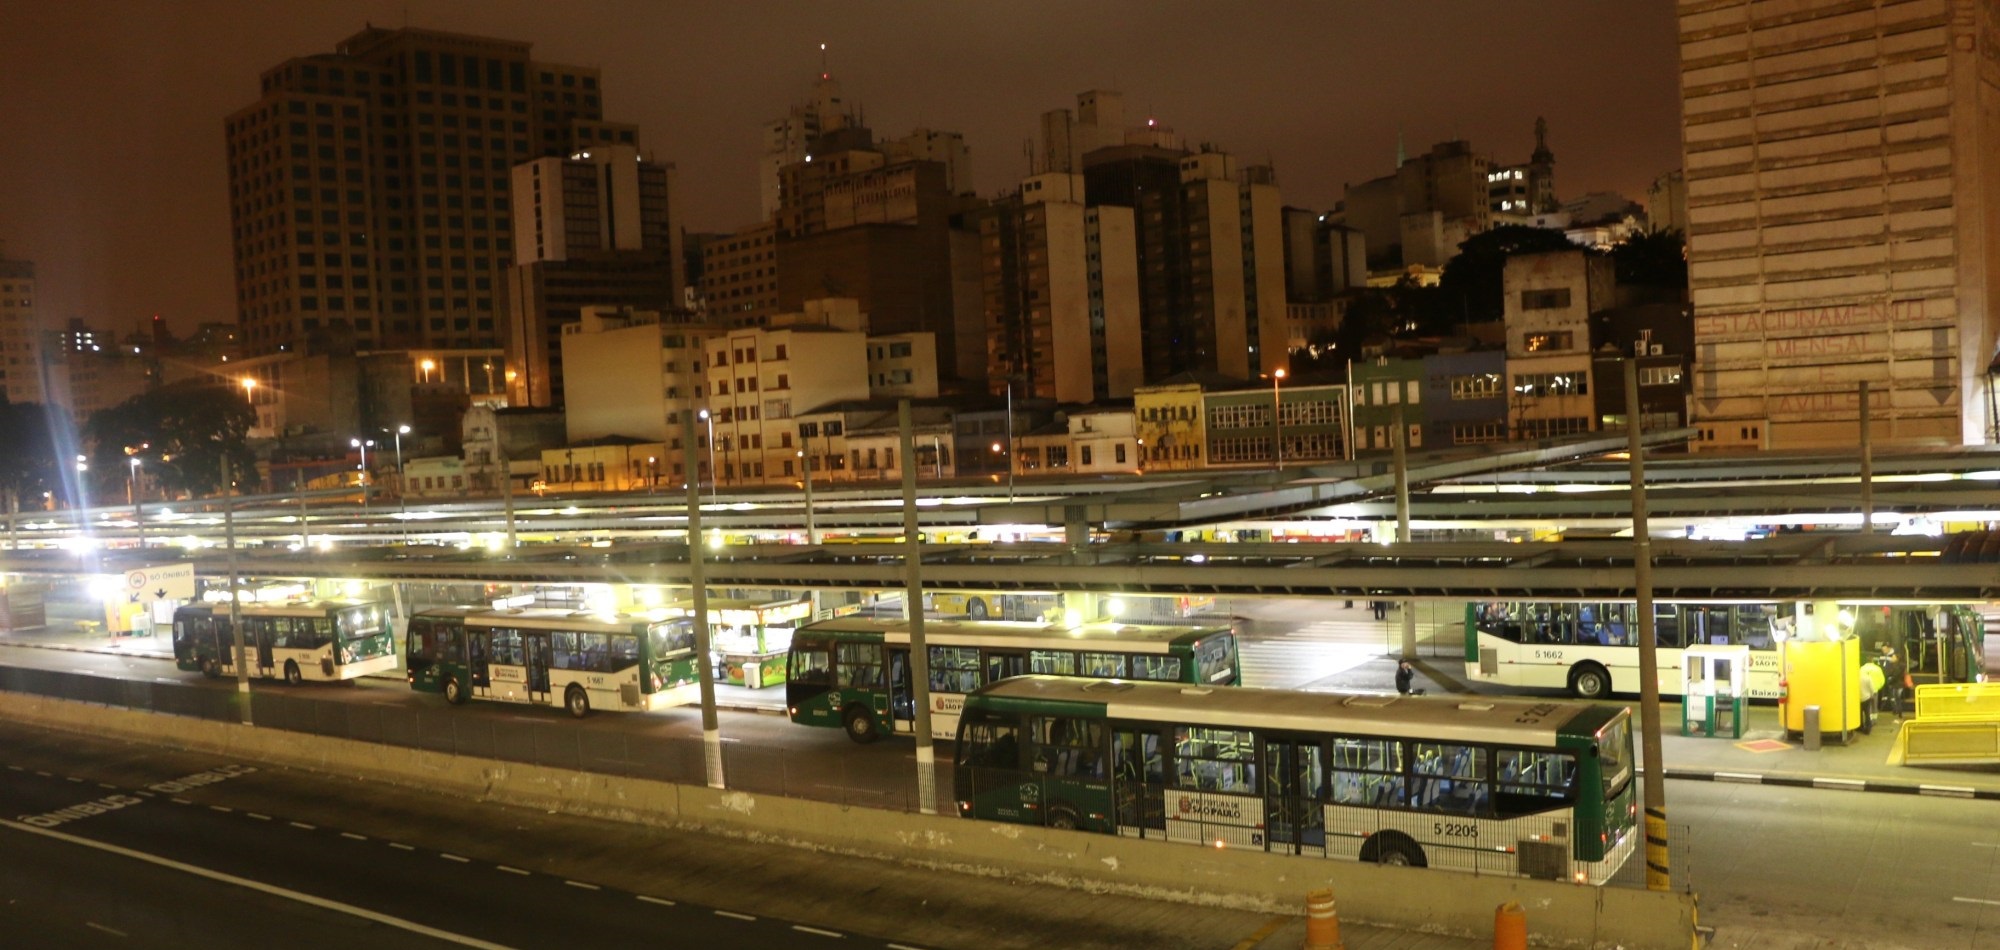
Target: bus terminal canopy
x,y
1809,566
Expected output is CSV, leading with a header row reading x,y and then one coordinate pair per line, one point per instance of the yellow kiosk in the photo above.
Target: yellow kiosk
x,y
1819,674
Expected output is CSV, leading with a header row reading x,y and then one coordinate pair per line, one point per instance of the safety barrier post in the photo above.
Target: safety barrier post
x,y
1322,921
1510,927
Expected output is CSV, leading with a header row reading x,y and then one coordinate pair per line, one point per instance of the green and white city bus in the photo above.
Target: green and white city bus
x,y
1592,649
853,672
324,640
543,656
1537,789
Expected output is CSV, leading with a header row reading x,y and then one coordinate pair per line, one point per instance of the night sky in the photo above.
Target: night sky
x,y
111,150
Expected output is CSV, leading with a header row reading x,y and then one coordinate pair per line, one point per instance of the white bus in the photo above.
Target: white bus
x,y
1592,648
325,640
1538,789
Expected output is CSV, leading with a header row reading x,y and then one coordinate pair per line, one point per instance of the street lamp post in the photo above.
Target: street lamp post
x,y
709,418
812,532
1277,434
363,445
652,472
1010,441
138,502
402,484
937,458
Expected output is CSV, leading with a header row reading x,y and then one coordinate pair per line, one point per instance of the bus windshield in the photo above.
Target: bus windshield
x,y
1215,661
1614,754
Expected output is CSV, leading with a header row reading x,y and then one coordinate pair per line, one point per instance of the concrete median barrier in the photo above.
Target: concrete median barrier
x,y
1442,902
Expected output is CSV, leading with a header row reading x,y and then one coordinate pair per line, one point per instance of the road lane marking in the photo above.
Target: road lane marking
x,y
221,808
94,925
257,816
583,884
351,836
272,889
733,915
898,946
511,870
663,902
398,845
1975,900
448,856
802,928
1751,777
1953,791
302,826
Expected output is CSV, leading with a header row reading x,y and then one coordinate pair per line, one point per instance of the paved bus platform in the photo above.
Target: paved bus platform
x,y
1764,755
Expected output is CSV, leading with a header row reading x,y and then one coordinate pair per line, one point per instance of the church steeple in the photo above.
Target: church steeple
x,y
1542,155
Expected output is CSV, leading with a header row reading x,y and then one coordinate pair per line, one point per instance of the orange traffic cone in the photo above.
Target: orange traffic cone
x,y
1322,921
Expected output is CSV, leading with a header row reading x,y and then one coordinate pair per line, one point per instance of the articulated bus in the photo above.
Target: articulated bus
x,y
1591,649
541,656
1495,786
836,674
326,640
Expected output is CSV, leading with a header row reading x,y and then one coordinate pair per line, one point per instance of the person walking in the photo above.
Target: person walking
x,y
1381,608
1895,676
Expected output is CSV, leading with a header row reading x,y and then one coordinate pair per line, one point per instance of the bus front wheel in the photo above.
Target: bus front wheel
x,y
860,724
1063,817
976,609
453,693
577,701
1391,848
211,669
1590,681
292,675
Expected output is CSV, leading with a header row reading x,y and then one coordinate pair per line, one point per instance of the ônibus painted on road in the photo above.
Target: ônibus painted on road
x,y
853,672
1539,789
581,659
1591,649
322,640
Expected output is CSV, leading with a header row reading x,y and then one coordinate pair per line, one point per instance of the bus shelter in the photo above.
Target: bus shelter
x,y
749,638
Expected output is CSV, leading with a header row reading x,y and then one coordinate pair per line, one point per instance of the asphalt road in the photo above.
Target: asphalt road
x,y
214,852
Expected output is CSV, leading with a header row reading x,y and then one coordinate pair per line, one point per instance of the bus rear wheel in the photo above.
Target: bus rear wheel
x,y
453,693
860,724
292,675
1590,681
576,701
1393,849
211,669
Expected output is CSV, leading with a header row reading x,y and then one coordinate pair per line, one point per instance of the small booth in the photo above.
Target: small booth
x,y
749,639
1712,681
1823,675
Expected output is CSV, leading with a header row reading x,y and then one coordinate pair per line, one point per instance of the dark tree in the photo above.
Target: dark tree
x,y
1473,281
28,454
1653,259
180,434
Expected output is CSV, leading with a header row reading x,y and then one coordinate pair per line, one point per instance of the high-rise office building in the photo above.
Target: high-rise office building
x,y
1843,215
593,229
369,186
1210,240
22,340
1059,283
791,139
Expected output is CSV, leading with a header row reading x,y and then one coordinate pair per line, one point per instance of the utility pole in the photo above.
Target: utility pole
x,y
711,731
1658,877
506,485
1399,439
235,589
913,608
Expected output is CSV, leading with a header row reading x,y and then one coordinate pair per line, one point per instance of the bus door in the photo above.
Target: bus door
x,y
537,644
1001,664
210,639
264,631
418,658
1294,777
479,650
1139,782
902,701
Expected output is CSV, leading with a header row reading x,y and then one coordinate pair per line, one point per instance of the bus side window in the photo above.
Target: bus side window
x,y
860,665
991,744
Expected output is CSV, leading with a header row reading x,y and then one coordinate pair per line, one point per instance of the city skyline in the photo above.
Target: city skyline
x,y
118,191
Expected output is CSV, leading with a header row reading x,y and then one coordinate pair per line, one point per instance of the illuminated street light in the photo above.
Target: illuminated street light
x,y
402,485
428,365
710,419
363,445
1277,437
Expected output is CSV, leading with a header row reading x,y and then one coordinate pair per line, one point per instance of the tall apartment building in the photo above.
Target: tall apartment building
x,y
1527,189
739,275
790,139
1059,281
1843,203
593,229
760,378
1548,300
1098,122
369,186
21,333
1211,257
